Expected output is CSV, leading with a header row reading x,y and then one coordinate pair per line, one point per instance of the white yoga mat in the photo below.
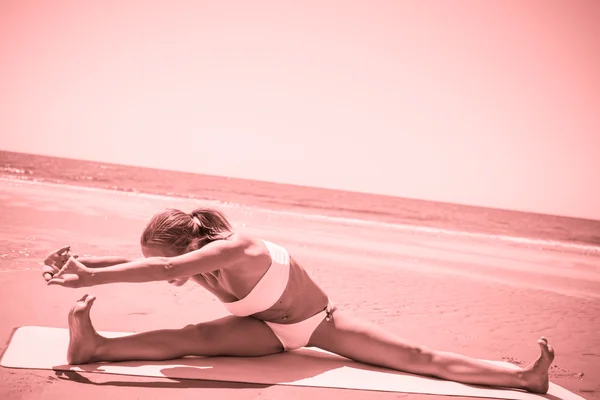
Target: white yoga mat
x,y
36,347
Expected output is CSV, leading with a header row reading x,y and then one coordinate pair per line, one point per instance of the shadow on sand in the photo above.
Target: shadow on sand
x,y
226,372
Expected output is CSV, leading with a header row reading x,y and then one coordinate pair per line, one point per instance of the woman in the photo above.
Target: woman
x,y
276,306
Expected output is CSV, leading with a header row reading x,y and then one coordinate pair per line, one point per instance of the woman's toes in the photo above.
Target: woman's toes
x,y
90,300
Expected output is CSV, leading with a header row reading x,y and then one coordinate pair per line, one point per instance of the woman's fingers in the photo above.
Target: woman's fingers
x,y
67,280
59,252
64,249
56,281
61,268
65,256
58,256
63,271
48,272
50,269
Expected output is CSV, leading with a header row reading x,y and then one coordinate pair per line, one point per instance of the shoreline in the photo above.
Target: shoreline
x,y
529,243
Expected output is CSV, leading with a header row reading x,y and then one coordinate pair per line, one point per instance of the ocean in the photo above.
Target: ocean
x,y
546,232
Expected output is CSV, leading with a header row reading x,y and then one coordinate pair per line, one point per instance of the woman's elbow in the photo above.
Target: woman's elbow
x,y
164,269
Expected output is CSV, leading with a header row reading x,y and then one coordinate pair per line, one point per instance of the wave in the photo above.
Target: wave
x,y
557,245
18,171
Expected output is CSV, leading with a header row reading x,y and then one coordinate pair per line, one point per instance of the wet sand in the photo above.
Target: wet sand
x,y
485,300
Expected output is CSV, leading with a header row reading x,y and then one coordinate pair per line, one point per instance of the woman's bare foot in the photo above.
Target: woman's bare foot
x,y
83,338
536,375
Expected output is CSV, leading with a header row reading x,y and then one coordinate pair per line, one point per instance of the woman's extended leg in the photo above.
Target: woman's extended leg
x,y
232,336
367,343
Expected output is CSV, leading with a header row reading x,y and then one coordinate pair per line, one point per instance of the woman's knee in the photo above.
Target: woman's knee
x,y
421,354
422,360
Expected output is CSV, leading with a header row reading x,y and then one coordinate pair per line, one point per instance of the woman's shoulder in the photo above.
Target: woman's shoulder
x,y
251,245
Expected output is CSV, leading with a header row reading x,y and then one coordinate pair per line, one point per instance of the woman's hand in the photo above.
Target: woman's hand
x,y
55,261
73,275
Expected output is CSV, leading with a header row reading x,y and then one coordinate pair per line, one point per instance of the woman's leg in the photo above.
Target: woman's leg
x,y
231,336
370,344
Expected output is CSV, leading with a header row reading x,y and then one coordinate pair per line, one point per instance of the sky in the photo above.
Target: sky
x,y
490,103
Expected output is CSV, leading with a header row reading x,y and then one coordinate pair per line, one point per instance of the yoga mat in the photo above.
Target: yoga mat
x,y
36,347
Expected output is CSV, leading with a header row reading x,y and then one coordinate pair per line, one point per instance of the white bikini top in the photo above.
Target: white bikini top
x,y
269,288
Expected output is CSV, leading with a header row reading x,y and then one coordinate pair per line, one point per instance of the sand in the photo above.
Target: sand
x,y
484,300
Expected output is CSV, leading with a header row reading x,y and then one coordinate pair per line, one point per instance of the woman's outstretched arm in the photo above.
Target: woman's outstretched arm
x,y
57,259
216,255
104,261
213,256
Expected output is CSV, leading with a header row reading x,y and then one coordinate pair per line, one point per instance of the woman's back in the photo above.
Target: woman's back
x,y
300,296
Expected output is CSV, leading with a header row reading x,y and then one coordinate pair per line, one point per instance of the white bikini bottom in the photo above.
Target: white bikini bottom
x,y
297,335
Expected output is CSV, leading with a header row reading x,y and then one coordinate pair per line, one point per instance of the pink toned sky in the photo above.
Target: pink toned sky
x,y
492,103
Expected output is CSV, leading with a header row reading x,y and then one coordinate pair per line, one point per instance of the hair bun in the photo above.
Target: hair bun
x,y
171,228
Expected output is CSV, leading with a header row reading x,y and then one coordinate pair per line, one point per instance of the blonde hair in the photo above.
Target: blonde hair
x,y
182,232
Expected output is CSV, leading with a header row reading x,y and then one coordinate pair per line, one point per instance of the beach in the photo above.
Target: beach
x,y
489,300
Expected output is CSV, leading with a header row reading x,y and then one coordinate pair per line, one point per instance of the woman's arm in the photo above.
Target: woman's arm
x,y
103,262
216,255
